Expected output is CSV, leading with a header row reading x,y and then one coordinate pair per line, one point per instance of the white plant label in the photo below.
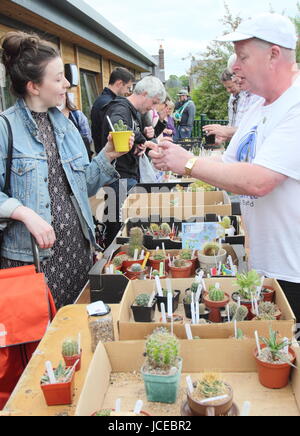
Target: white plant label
x,y
138,407
189,384
188,331
158,286
118,405
151,299
170,304
163,313
50,372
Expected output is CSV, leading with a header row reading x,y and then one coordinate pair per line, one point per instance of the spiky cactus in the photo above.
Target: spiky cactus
x,y
186,254
165,229
210,386
194,287
136,267
180,263
159,255
162,349
142,300
62,375
136,241
154,228
118,260
267,308
120,126
211,249
216,294
226,222
69,348
240,314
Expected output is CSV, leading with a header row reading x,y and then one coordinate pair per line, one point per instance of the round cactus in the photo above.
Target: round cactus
x,y
159,255
211,249
180,263
154,228
216,294
226,222
142,300
70,348
165,229
267,308
194,287
162,349
136,268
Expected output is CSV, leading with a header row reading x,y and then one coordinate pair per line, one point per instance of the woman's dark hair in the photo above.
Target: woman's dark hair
x,y
25,57
121,74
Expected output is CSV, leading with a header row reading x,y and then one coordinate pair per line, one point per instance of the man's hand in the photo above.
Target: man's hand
x,y
226,132
170,157
149,132
109,149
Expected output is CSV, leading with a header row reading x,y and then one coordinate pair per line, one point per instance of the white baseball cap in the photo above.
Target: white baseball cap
x,y
273,28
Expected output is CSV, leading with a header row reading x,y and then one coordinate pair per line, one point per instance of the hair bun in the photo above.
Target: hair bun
x,y
15,42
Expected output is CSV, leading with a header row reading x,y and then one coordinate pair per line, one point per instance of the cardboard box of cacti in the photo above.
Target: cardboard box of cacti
x,y
180,205
111,378
131,330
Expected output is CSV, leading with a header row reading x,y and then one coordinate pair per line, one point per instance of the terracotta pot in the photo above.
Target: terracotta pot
x,y
155,264
153,278
134,275
221,409
59,394
278,316
274,376
70,361
181,273
195,264
268,294
128,263
215,306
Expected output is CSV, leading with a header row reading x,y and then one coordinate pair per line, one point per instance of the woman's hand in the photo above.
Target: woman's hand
x,y
37,226
109,149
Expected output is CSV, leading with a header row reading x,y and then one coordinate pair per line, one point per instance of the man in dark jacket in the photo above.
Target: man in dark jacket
x,y
187,110
148,93
120,84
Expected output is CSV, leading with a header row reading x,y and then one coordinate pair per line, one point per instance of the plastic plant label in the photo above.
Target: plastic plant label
x,y
50,372
257,342
163,313
151,299
158,286
118,405
198,293
170,304
211,400
246,408
188,331
189,384
138,407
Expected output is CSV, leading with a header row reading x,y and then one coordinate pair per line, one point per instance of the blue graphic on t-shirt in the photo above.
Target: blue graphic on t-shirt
x,y
247,149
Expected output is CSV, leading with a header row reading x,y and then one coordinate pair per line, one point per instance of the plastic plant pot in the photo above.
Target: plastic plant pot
x,y
162,388
59,394
70,361
144,314
188,312
164,300
274,376
220,409
268,294
121,141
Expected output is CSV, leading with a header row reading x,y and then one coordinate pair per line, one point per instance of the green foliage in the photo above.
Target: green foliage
x,y
180,263
186,254
62,375
159,255
194,287
154,228
142,300
199,185
275,347
104,412
69,348
226,222
248,283
120,126
162,349
165,229
118,260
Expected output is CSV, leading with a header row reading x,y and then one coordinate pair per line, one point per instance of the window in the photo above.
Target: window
x,y
6,97
89,91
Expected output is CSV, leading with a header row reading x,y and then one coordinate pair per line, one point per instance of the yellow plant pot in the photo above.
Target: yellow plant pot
x,y
121,141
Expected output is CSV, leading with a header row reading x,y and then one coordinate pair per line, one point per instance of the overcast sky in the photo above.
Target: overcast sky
x,y
186,26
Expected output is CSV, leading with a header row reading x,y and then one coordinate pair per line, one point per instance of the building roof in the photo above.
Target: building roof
x,y
79,18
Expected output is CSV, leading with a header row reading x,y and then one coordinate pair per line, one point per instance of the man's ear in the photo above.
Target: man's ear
x,y
275,52
33,88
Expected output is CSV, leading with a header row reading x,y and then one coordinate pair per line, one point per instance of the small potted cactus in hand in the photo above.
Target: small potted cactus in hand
x,y
210,386
162,369
215,299
71,353
274,361
211,255
61,392
181,269
141,310
136,239
121,137
136,272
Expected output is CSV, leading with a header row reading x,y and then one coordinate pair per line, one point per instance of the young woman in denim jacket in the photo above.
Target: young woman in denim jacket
x,y
51,176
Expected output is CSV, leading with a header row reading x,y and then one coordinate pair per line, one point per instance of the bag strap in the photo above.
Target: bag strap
x,y
6,189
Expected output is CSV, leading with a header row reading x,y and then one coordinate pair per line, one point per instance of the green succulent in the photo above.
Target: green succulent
x,y
162,349
118,260
62,375
266,307
159,255
276,348
69,348
154,228
216,294
248,282
211,386
120,126
136,239
186,254
194,287
240,334
165,229
180,263
238,313
211,249
142,300
226,222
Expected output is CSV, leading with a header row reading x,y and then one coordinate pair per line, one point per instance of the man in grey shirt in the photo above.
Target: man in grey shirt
x,y
187,109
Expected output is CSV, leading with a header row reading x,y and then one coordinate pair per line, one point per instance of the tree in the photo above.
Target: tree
x,y
296,21
174,84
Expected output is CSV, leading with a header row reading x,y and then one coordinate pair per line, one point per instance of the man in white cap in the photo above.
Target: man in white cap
x,y
185,112
262,162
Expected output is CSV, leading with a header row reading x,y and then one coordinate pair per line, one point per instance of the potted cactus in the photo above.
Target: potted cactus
x,y
164,299
136,272
227,226
155,273
236,313
141,310
203,311
273,363
188,255
248,283
162,369
210,386
211,255
165,230
61,392
121,137
136,239
181,269
215,299
267,312
158,257
71,353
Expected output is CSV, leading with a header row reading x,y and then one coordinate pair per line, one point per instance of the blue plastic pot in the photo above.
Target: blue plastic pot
x,y
162,388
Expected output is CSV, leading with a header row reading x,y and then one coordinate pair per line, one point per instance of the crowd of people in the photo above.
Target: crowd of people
x,y
55,170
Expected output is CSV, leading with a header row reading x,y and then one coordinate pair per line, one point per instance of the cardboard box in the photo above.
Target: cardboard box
x,y
130,330
180,205
109,377
151,243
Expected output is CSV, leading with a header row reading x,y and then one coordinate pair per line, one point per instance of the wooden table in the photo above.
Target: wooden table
x,y
27,398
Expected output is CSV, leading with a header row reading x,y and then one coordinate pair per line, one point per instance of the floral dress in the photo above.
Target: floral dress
x,y
66,271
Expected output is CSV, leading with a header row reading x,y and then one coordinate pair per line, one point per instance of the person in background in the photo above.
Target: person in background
x,y
80,121
170,130
52,178
120,85
262,161
185,112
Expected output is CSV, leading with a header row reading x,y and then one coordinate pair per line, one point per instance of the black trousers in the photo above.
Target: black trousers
x,y
292,292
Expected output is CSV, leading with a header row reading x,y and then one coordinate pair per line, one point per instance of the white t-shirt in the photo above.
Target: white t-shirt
x,y
273,221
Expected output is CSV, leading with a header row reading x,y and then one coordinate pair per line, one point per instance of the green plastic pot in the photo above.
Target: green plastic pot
x,y
162,388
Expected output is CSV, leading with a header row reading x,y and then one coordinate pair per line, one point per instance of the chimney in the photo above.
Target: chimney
x,y
161,58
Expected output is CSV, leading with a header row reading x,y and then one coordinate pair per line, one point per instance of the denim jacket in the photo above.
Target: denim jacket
x,y
29,176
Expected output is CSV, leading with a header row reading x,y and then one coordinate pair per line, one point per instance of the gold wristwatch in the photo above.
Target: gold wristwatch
x,y
190,165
